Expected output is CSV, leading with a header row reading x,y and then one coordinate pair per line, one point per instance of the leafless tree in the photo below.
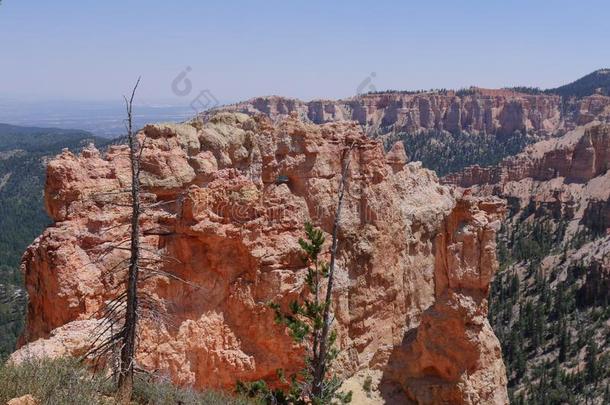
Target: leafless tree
x,y
116,338
128,347
117,333
320,360
118,328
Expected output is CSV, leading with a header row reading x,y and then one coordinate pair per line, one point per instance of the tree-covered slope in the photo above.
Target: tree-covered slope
x,y
597,82
550,308
446,152
24,152
549,304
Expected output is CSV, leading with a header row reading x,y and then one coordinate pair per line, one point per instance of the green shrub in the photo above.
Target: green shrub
x,y
367,386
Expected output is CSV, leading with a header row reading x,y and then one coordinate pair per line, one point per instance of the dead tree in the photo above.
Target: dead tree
x,y
128,347
117,334
118,329
320,363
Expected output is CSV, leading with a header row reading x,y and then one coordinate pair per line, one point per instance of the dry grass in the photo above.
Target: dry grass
x,y
67,382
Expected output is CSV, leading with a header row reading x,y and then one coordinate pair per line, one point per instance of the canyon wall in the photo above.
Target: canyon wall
x,y
578,157
226,203
562,179
556,249
498,112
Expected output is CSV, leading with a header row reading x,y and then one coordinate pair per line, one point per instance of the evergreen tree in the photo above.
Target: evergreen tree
x,y
310,321
539,321
306,321
591,360
564,342
514,285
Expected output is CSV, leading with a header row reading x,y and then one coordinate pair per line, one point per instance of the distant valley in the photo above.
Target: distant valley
x,y
104,119
24,152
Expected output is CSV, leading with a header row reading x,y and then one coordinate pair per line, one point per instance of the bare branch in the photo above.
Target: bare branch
x,y
320,363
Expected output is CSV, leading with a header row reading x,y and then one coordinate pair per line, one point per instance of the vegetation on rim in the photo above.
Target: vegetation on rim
x,y
66,381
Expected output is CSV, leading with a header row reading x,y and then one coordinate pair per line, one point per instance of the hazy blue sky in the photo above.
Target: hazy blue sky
x,y
92,49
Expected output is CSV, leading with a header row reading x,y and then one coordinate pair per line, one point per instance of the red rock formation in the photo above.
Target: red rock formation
x,y
227,203
587,109
454,338
560,186
564,178
578,157
492,111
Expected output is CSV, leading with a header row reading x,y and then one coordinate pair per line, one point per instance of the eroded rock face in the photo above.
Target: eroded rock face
x,y
563,178
227,201
577,157
469,371
560,189
499,112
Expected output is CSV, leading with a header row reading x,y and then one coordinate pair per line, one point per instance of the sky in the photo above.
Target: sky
x,y
234,50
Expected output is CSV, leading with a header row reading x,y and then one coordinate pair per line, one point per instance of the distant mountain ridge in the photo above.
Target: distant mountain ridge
x,y
447,129
38,139
597,82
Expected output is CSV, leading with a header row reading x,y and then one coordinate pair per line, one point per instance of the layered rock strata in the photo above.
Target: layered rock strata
x,y
498,112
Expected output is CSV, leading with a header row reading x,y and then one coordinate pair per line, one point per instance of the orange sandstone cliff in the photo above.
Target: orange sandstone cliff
x,y
498,112
227,202
564,178
560,189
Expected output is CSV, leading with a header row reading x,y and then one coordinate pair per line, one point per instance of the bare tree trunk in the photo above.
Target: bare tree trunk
x,y
320,363
125,383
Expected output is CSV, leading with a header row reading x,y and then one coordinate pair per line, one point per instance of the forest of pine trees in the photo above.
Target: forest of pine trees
x,y
23,151
446,152
551,324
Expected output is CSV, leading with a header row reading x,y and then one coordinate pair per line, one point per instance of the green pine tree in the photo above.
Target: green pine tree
x,y
305,322
591,361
